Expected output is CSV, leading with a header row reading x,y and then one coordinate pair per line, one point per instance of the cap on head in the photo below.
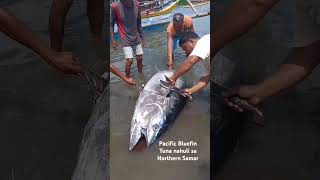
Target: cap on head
x,y
188,36
178,18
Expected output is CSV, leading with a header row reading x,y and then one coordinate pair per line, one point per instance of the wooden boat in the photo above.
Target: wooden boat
x,y
158,12
162,17
165,19
160,8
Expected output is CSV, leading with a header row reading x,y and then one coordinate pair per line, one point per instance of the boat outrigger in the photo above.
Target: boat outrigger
x,y
159,14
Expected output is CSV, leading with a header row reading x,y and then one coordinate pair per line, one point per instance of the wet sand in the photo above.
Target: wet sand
x,y
192,124
43,112
288,146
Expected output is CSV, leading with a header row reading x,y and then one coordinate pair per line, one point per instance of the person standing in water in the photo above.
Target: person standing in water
x,y
179,25
127,15
58,13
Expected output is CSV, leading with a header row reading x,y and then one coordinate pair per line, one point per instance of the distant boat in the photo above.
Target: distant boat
x,y
162,16
157,8
158,12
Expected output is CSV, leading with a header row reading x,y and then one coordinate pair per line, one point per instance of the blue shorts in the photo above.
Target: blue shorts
x,y
175,43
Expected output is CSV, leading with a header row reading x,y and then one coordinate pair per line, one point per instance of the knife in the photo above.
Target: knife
x,y
219,89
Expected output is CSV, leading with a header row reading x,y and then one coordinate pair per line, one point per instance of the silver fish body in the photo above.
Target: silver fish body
x,y
156,108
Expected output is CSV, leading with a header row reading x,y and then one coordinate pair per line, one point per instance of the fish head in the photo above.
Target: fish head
x,y
149,110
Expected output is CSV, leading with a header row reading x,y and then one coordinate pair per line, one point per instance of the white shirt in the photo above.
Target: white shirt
x,y
202,50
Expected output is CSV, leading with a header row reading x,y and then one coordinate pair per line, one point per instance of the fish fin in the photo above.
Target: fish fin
x,y
156,68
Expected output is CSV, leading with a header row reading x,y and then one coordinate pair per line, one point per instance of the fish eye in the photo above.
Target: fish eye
x,y
155,127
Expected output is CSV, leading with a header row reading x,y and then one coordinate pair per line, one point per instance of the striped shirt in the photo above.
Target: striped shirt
x,y
128,20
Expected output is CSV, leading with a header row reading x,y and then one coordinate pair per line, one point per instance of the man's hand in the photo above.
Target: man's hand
x,y
172,82
65,62
248,92
114,45
143,44
130,81
187,92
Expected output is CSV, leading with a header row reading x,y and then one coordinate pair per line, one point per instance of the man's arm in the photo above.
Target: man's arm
x,y
169,50
139,23
118,73
202,83
185,67
18,31
112,23
301,62
239,19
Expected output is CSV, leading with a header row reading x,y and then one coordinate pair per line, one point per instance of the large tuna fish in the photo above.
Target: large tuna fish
x,y
156,108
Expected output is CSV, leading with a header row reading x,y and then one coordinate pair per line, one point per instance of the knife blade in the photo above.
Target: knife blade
x,y
219,89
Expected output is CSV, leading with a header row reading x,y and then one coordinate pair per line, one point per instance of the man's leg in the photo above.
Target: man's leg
x,y
95,13
139,63
58,13
139,53
128,54
128,67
